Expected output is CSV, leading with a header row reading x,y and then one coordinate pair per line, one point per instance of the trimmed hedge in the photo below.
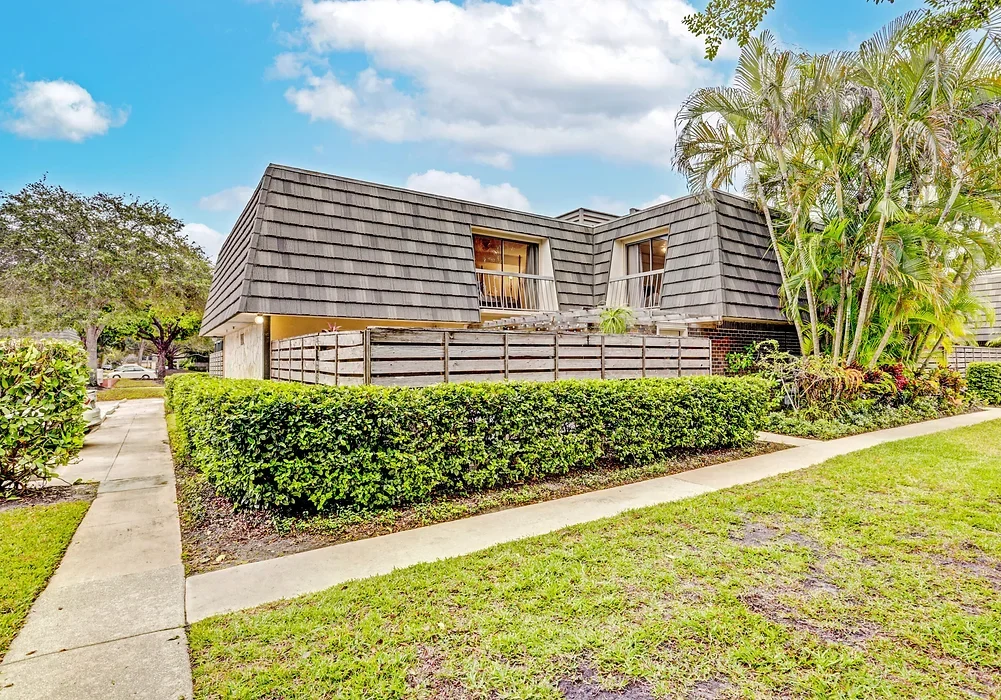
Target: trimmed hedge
x,y
272,444
984,380
43,386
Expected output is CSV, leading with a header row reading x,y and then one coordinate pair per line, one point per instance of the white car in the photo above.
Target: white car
x,y
133,372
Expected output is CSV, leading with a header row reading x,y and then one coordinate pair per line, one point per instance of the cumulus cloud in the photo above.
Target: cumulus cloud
x,y
609,205
530,77
227,200
207,237
659,199
61,110
498,159
467,187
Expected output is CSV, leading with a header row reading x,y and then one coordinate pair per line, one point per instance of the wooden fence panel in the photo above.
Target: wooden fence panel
x,y
963,355
419,357
216,365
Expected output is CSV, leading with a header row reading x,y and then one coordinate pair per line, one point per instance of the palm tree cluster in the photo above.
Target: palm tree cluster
x,y
878,173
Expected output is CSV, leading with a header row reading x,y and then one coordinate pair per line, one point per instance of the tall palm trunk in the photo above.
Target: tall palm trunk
x,y
794,307
839,318
800,248
883,341
870,274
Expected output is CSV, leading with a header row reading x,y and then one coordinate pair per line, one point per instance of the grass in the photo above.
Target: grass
x,y
132,389
32,542
877,574
214,536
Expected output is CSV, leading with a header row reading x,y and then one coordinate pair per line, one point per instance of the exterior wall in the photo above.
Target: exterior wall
x,y
292,326
731,336
243,353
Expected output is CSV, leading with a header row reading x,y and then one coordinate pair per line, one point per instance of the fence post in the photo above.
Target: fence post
x,y
367,349
643,356
337,359
316,360
507,370
556,356
444,344
602,355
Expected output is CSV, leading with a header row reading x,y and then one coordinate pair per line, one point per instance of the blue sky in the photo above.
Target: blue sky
x,y
540,104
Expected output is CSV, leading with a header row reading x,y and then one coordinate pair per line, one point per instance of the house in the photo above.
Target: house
x,y
314,252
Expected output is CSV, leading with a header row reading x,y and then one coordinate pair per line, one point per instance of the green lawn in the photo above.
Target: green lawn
x,y
132,389
32,541
875,575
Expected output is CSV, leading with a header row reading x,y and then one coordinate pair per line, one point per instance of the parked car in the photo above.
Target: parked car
x,y
91,413
132,372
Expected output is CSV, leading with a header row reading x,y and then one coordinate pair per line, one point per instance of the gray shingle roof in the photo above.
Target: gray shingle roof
x,y
311,244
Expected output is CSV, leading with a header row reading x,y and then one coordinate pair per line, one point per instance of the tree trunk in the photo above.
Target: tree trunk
x,y
870,274
882,344
797,322
794,225
91,334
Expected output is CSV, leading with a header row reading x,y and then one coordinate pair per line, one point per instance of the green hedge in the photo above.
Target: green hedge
x,y
43,386
984,380
264,443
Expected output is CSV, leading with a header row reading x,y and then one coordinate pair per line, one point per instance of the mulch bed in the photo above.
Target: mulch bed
x,y
215,537
50,495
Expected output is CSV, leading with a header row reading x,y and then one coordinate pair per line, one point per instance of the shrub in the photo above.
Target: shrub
x,y
984,379
43,386
264,443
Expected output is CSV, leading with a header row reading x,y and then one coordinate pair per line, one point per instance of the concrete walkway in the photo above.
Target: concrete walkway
x,y
110,624
261,582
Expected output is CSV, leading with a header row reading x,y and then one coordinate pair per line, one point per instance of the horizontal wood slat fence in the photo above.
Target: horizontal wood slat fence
x,y
417,357
216,363
962,355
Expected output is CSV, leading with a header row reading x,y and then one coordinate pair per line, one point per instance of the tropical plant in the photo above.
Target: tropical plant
x,y
877,172
616,319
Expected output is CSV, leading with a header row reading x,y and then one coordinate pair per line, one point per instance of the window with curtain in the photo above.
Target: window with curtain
x,y
501,255
646,256
498,263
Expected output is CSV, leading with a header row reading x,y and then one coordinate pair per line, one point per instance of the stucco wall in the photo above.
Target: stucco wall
x,y
243,353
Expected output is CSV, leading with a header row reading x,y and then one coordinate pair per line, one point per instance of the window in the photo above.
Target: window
x,y
504,272
501,255
646,256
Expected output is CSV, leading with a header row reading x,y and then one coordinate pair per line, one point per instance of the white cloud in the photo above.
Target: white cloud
x,y
208,238
659,199
59,109
530,77
227,200
467,187
294,64
609,205
497,159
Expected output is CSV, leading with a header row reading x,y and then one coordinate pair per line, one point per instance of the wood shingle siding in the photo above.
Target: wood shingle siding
x,y
311,244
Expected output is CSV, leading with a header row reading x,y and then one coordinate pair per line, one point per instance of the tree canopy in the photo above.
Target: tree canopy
x,y
737,20
74,261
879,175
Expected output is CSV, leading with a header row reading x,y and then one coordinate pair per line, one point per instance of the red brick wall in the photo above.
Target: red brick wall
x,y
731,336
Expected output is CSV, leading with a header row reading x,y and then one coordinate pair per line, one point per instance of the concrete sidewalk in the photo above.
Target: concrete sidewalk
x,y
261,582
110,624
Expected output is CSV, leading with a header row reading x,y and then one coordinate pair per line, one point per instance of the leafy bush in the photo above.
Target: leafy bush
x,y
43,386
860,417
984,379
264,443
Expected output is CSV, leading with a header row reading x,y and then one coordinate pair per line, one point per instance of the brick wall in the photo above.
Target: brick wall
x,y
731,336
